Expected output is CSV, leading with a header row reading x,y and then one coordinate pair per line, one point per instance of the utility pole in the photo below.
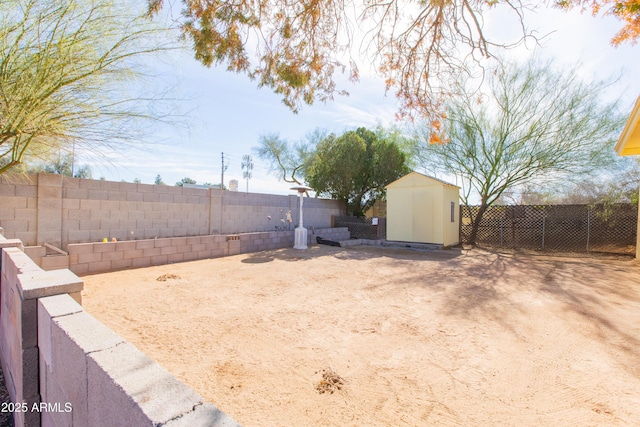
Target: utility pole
x,y
247,167
224,168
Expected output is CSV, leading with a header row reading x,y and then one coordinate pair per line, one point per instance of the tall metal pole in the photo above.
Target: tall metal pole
x,y
247,167
222,173
300,233
301,198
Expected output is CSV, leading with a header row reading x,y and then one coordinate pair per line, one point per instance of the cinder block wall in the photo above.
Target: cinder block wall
x,y
336,234
19,208
90,376
94,210
61,210
22,282
86,258
64,367
100,257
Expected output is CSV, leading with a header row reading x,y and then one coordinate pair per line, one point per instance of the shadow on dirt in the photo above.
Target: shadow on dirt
x,y
354,253
258,259
603,293
483,284
599,296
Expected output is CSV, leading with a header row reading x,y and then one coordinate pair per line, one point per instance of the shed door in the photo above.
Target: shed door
x,y
400,214
423,218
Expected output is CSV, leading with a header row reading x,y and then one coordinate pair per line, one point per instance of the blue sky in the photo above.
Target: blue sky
x,y
227,113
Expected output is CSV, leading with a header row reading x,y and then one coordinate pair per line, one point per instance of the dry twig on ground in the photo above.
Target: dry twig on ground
x,y
166,277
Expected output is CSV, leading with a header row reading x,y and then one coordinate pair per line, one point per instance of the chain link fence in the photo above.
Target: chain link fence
x,y
607,228
363,228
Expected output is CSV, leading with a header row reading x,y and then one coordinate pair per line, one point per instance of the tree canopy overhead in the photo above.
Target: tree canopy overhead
x,y
627,11
296,47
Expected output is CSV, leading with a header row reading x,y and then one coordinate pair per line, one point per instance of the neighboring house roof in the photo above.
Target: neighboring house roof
x,y
421,176
629,142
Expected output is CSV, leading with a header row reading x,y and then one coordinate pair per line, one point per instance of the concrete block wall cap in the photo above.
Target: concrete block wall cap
x,y
59,305
21,261
160,395
38,284
206,415
10,243
87,332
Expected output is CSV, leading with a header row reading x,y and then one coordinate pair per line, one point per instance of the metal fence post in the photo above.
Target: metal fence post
x,y
543,223
501,231
588,227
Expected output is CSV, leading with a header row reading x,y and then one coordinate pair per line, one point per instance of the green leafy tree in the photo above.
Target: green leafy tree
x,y
158,180
62,165
533,124
355,167
66,73
184,181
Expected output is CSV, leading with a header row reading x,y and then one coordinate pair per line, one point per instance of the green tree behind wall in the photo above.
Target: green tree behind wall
x,y
355,167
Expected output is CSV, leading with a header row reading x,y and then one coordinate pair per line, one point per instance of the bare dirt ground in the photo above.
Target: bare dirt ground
x,y
368,336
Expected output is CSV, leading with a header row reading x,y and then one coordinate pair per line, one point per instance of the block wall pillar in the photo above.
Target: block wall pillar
x,y
49,228
22,283
215,211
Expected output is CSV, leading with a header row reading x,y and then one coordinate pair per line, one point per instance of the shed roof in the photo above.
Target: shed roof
x,y
421,176
629,141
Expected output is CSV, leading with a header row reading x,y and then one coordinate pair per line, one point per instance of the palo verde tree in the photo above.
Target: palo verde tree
x,y
288,160
66,73
355,167
296,47
532,124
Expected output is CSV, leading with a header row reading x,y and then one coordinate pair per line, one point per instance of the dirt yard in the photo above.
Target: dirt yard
x,y
368,336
